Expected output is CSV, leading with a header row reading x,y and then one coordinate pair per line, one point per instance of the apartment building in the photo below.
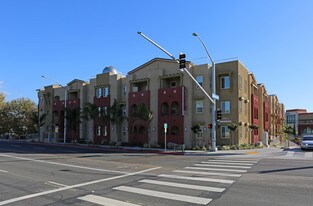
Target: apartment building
x,y
301,120
154,95
277,118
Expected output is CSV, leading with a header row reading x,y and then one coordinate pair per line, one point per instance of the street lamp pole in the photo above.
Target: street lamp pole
x,y
214,96
65,100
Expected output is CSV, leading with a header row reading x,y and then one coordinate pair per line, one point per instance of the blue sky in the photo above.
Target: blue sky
x,y
76,39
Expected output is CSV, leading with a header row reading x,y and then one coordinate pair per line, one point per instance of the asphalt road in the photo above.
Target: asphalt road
x,y
38,174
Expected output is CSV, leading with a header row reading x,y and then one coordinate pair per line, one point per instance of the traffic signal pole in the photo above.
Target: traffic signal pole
x,y
183,68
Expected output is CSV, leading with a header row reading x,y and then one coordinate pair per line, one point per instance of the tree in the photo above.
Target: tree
x,y
232,127
143,113
116,117
73,117
20,117
2,114
90,111
2,99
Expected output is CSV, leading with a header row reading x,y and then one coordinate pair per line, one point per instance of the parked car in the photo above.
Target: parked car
x,y
307,142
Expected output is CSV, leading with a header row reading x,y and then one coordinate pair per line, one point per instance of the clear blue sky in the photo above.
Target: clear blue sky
x,y
75,39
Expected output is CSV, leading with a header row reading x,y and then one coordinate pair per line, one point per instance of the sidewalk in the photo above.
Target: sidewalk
x,y
159,150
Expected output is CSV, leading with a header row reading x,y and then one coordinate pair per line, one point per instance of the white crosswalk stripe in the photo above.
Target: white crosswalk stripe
x,y
208,173
215,169
233,161
165,195
204,179
225,166
104,201
308,154
186,186
290,153
228,163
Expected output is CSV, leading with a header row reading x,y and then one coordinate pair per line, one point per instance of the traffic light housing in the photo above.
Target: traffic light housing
x,y
182,61
218,114
210,126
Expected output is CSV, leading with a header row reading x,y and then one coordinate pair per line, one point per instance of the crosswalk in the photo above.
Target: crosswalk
x,y
198,184
295,154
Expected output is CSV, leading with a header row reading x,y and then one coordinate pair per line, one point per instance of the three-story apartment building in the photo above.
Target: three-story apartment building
x,y
160,89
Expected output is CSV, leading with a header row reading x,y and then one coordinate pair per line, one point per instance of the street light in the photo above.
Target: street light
x,y
65,99
214,96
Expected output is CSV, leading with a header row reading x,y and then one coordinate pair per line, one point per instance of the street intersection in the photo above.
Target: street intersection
x,y
34,174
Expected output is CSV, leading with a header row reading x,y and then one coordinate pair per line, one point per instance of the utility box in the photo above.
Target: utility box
x,y
265,139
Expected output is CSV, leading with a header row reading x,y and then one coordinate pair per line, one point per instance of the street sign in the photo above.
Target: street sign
x,y
215,96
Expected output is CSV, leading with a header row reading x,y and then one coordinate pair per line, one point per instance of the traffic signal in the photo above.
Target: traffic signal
x,y
218,114
210,126
182,61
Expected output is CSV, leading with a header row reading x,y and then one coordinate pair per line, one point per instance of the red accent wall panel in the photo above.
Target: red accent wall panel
x,y
172,106
138,129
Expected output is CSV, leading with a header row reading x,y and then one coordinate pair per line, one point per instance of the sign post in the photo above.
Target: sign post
x,y
165,129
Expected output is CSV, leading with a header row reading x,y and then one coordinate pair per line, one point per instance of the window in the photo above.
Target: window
x,y
173,84
225,82
105,110
199,106
106,91
246,86
99,111
291,119
98,130
199,80
174,130
164,109
225,132
124,90
240,82
225,106
199,135
104,131
99,92
174,108
124,131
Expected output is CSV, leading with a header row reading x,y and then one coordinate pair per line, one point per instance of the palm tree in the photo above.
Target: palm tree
x,y
116,117
90,111
73,117
144,114
233,128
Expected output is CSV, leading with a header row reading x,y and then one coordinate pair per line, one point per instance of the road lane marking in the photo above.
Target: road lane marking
x,y
208,173
62,164
104,201
225,166
55,184
3,171
185,186
290,154
204,179
165,195
228,163
308,154
235,161
73,186
214,169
